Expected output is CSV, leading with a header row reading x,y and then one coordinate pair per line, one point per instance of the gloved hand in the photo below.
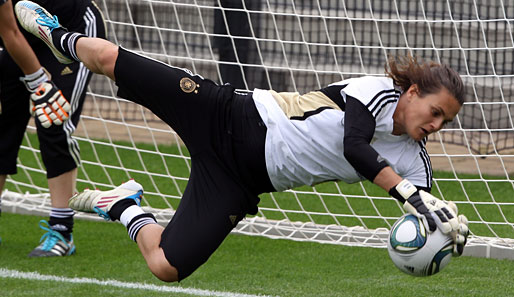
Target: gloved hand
x,y
435,212
49,105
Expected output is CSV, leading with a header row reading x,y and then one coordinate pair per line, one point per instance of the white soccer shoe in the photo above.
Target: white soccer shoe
x,y
101,202
36,20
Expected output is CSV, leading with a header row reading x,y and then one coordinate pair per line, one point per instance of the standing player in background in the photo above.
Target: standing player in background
x,y
242,145
34,76
59,151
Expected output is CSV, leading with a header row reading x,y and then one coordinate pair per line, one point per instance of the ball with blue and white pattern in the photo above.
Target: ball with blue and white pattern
x,y
414,250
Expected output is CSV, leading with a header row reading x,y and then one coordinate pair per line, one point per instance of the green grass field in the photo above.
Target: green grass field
x,y
242,265
107,263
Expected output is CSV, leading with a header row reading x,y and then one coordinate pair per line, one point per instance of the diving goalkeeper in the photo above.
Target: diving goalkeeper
x,y
245,144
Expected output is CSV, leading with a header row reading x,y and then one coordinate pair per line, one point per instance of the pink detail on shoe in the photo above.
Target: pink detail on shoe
x,y
104,201
43,35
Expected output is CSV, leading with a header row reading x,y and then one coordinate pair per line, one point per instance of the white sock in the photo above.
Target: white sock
x,y
128,214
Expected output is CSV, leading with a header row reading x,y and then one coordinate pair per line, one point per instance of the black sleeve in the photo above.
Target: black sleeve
x,y
359,127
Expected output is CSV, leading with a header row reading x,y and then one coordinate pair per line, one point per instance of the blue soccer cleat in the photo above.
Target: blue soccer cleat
x,y
53,244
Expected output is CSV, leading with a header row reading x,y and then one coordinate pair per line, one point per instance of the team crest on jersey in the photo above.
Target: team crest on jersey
x,y
233,219
188,85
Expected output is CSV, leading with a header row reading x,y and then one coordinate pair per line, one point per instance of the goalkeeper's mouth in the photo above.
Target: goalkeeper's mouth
x,y
422,134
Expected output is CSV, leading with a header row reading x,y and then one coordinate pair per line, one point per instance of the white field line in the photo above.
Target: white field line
x,y
7,273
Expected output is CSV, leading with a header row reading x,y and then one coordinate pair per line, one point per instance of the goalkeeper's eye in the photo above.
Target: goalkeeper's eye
x,y
436,112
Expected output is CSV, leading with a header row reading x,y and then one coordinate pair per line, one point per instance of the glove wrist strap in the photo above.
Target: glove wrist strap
x,y
34,80
403,190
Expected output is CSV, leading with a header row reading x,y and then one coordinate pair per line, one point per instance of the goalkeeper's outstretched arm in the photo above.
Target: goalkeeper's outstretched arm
x,y
360,125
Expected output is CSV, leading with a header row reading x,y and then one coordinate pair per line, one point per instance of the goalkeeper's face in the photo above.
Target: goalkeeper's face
x,y
423,115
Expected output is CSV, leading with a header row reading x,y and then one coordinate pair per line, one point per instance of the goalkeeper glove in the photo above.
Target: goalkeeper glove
x,y
434,211
460,237
48,105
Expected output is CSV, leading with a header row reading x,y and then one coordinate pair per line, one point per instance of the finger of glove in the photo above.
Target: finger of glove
x,y
463,219
56,103
463,230
59,113
463,225
458,249
452,218
56,120
63,111
51,113
45,121
54,114
459,239
459,244
461,235
445,214
410,209
64,104
441,221
59,110
429,221
63,116
44,115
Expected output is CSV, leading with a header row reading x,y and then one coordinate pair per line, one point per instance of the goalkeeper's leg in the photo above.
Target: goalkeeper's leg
x,y
148,240
123,204
97,54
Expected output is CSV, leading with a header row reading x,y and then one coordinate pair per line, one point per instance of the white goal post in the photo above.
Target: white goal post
x,y
300,45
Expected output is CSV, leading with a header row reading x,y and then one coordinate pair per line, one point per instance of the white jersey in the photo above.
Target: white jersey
x,y
304,140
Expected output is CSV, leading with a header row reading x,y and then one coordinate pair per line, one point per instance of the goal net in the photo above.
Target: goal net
x,y
299,45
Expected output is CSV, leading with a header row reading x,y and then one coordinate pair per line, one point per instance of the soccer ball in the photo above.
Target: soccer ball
x,y
414,250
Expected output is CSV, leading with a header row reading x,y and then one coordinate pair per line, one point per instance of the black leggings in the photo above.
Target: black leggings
x,y
225,136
